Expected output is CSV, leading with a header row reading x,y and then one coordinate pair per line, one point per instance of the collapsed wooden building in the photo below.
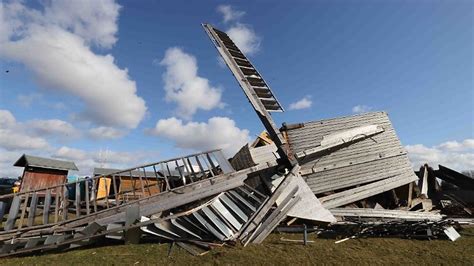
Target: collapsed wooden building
x,y
321,173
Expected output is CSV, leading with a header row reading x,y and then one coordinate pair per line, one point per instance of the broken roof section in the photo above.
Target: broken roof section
x,y
456,178
35,161
361,150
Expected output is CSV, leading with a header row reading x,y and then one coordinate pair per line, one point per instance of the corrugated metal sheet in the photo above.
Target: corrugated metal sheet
x,y
28,160
379,158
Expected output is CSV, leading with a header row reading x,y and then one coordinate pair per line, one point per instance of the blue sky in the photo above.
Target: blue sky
x,y
123,83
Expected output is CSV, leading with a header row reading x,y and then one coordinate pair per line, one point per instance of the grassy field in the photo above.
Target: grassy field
x,y
274,251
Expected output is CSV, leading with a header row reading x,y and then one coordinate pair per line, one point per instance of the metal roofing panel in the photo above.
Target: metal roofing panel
x,y
29,160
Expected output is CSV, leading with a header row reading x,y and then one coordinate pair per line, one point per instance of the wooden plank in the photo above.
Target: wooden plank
x,y
203,173
157,178
146,182
264,208
94,194
214,168
341,138
268,228
87,197
132,216
134,181
32,211
170,175
3,207
141,184
23,210
57,197
77,201
208,166
165,176
106,184
273,214
410,194
47,204
365,191
65,202
192,170
14,209
187,170
180,173
116,192
224,164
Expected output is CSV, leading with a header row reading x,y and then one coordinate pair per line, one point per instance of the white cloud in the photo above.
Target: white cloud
x,y
13,136
106,133
459,156
361,109
87,160
467,144
31,135
217,133
67,153
54,44
95,21
301,104
7,159
184,87
229,13
12,140
26,100
242,34
245,38
7,120
53,127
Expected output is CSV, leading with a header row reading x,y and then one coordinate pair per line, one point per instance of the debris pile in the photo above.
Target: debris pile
x,y
349,176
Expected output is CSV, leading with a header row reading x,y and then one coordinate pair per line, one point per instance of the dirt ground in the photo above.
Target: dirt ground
x,y
274,251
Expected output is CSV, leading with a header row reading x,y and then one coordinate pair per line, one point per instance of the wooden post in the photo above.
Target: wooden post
x,y
94,193
65,202
410,194
146,181
77,201
32,212
47,203
23,210
87,197
114,181
192,170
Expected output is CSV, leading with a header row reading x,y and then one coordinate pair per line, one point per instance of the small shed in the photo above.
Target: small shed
x,y
43,172
129,184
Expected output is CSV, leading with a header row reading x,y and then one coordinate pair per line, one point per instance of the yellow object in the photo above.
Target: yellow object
x,y
262,140
104,187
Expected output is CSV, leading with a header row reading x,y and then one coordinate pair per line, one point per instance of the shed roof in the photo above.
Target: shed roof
x,y
29,160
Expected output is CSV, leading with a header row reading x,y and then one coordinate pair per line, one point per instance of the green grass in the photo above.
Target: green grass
x,y
274,251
